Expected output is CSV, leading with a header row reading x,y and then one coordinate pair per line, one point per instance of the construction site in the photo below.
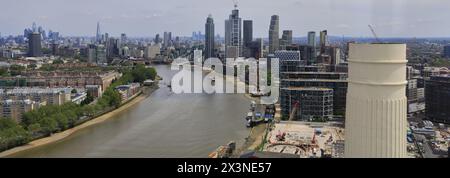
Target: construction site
x,y
306,139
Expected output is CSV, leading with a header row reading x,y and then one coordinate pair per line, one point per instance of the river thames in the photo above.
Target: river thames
x,y
163,125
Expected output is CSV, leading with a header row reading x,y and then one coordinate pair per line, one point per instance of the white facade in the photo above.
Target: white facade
x,y
152,51
376,101
198,56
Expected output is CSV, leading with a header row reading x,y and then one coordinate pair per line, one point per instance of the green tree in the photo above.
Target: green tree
x,y
114,98
89,99
48,125
16,69
12,134
34,128
47,67
140,73
58,61
62,120
3,72
32,66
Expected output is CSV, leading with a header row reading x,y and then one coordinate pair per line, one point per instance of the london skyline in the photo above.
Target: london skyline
x,y
139,18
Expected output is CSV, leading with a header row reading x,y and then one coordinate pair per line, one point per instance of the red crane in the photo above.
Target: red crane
x,y
281,136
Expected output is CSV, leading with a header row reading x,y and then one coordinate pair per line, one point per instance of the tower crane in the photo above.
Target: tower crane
x,y
294,110
374,34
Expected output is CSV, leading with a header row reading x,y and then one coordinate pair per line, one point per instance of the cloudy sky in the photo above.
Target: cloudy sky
x,y
391,18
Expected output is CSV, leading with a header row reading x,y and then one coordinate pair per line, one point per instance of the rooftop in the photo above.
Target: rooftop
x,y
307,89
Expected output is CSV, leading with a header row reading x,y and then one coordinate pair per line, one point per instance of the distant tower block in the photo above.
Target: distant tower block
x,y
376,101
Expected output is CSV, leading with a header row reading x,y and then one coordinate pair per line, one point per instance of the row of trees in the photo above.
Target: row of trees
x,y
12,134
52,119
13,70
440,63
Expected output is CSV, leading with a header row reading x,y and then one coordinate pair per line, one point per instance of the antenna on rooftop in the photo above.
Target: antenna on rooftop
x,y
235,2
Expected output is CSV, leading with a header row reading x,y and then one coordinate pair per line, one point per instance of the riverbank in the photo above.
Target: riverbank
x,y
254,140
62,135
256,136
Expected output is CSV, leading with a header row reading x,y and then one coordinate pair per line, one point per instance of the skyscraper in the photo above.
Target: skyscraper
x,y
437,97
376,101
323,41
233,36
34,45
312,39
446,52
101,55
123,39
312,44
274,34
209,38
286,39
157,39
248,33
98,36
167,38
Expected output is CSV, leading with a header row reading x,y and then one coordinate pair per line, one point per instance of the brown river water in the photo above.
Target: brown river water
x,y
163,125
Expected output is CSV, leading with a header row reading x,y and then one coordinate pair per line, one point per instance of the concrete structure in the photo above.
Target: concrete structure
x,y
376,101
274,34
101,55
97,54
98,36
128,91
313,102
307,139
312,39
15,108
78,97
94,90
167,39
209,38
446,52
323,41
310,76
232,52
286,39
248,33
152,51
289,60
411,91
311,47
123,39
34,45
52,96
74,79
254,49
427,72
198,56
437,99
233,34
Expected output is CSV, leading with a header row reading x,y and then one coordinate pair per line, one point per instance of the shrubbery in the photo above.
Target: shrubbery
x,y
12,134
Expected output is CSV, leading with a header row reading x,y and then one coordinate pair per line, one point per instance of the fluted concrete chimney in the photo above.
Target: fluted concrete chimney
x,y
376,101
